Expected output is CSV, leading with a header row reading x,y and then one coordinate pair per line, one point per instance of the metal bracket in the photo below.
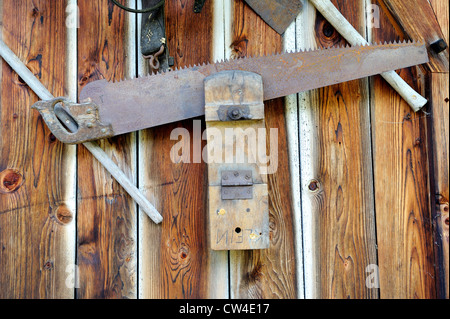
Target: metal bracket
x,y
234,113
237,185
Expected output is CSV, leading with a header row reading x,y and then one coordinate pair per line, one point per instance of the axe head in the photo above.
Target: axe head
x,y
279,14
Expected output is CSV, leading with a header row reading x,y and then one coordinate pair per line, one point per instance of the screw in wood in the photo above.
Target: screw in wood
x,y
313,185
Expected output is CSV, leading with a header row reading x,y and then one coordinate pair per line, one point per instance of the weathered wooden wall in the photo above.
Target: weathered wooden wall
x,y
370,187
337,185
37,185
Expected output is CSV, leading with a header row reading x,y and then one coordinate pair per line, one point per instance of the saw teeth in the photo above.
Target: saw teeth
x,y
302,50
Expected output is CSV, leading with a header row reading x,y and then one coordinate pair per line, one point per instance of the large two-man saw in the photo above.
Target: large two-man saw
x,y
230,94
113,108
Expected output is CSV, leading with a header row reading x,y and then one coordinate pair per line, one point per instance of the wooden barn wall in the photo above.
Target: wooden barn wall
x,y
37,173
361,187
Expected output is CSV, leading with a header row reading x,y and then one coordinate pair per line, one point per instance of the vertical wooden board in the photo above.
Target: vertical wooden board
x,y
37,185
441,9
404,232
439,140
308,144
440,162
238,216
338,205
107,218
175,261
269,273
292,131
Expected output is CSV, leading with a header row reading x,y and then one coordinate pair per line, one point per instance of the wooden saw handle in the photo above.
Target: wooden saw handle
x,y
338,21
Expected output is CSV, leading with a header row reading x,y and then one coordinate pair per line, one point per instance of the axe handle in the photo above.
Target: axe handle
x,y
94,148
338,21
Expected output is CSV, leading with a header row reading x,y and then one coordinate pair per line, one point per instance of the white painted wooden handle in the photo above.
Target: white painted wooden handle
x,y
93,147
340,23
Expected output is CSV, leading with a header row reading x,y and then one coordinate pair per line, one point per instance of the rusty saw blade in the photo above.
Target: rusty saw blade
x,y
114,108
279,14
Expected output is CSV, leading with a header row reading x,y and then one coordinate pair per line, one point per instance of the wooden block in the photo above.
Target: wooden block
x,y
239,224
238,196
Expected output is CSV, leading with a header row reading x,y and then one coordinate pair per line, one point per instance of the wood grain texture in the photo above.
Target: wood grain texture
x,y
439,143
441,9
292,131
266,273
336,172
37,186
404,228
107,231
174,256
417,21
440,162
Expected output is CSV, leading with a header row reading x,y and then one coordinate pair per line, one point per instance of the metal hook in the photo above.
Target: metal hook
x,y
153,58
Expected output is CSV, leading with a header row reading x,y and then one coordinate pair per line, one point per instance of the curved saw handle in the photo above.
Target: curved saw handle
x,y
338,21
81,119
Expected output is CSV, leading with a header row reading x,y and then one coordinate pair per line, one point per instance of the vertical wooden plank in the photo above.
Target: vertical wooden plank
x,y
308,142
441,9
37,173
336,176
405,247
439,126
107,217
269,273
439,142
175,259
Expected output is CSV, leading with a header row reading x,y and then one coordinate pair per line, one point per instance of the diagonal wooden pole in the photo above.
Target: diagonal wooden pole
x,y
340,23
93,147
